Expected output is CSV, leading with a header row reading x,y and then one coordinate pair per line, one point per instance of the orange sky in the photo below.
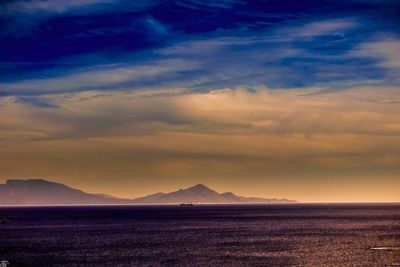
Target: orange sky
x,y
312,145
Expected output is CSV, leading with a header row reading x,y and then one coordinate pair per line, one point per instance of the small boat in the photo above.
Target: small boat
x,y
187,204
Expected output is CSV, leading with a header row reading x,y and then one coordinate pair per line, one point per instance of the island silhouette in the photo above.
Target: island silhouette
x,y
43,192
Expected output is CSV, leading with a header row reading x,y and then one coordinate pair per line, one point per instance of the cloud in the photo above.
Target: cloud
x,y
313,29
206,64
295,137
196,4
278,57
315,111
32,7
100,77
21,18
156,26
386,52
56,6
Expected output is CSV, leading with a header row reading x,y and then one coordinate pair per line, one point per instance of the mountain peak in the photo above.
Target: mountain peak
x,y
200,193
15,181
199,186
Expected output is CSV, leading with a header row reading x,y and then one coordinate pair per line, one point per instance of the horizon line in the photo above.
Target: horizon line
x,y
207,204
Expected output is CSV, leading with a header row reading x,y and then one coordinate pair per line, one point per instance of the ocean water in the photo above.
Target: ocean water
x,y
230,235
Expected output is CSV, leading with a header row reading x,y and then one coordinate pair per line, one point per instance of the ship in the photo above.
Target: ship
x,y
187,204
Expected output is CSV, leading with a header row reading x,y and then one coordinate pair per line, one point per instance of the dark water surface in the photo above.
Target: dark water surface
x,y
251,235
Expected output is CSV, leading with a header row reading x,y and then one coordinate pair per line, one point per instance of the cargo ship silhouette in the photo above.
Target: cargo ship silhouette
x,y
187,204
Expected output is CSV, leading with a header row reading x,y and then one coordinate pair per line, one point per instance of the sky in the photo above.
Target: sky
x,y
287,99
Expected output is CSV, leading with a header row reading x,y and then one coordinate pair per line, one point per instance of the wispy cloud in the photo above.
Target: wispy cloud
x,y
56,6
210,62
23,18
386,52
324,27
148,50
32,7
196,4
100,77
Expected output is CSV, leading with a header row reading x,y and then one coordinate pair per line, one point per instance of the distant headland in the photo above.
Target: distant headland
x,y
42,192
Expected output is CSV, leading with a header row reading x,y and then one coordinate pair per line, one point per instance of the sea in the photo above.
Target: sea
x,y
201,235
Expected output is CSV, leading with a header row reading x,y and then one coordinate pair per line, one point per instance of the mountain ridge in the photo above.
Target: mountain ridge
x,y
43,192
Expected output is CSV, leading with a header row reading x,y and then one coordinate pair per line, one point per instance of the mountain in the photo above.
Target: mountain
x,y
42,192
202,194
198,194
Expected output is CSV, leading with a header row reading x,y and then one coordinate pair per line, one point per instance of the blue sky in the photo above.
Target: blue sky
x,y
52,46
